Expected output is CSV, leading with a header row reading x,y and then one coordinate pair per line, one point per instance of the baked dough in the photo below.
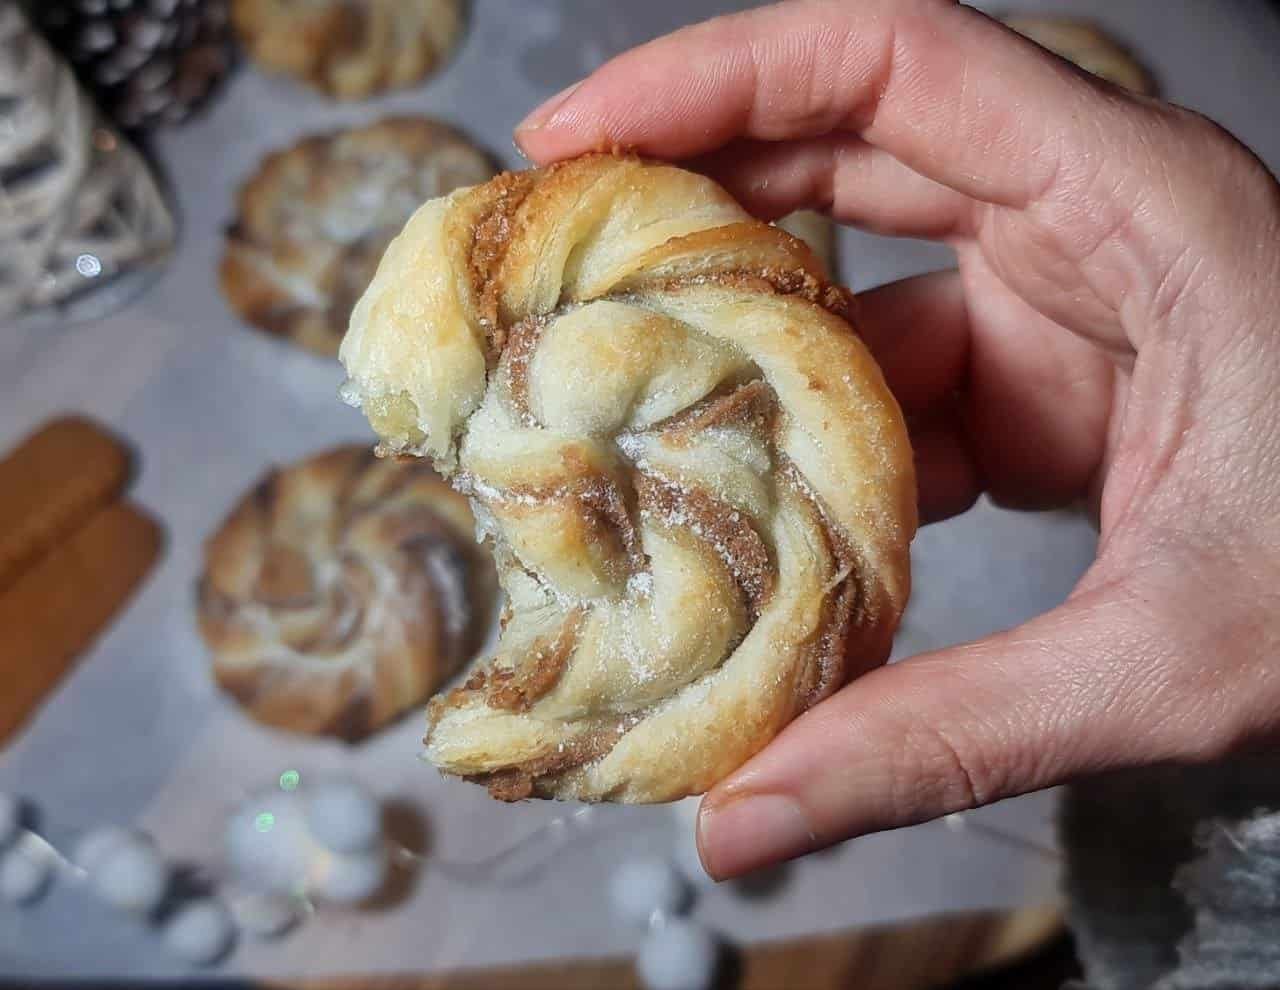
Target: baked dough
x,y
1088,47
698,489
343,590
316,217
349,49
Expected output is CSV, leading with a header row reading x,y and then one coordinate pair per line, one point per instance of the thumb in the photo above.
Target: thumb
x,y
1068,693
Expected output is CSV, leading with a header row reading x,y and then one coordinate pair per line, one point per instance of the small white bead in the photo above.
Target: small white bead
x,y
349,879
25,872
96,843
129,874
265,915
344,816
200,931
678,955
643,889
267,842
10,818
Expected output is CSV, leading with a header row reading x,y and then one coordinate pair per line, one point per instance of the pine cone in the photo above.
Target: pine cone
x,y
147,62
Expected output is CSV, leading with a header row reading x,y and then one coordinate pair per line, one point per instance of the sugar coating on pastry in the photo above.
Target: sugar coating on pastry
x,y
349,49
1088,47
342,591
314,219
695,482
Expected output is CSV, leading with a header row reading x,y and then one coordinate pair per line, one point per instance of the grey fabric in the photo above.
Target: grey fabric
x,y
1234,887
1173,877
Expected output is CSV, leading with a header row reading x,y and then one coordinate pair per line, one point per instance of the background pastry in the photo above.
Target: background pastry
x,y
698,488
350,49
342,591
1088,47
316,217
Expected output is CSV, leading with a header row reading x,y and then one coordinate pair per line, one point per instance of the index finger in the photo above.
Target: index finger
x,y
947,91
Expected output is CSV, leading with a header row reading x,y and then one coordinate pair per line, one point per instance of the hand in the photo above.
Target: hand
x,y
1113,331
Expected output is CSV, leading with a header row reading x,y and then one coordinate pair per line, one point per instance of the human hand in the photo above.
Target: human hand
x,y
1113,331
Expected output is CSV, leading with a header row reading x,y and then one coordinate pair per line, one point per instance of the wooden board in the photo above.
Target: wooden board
x,y
919,955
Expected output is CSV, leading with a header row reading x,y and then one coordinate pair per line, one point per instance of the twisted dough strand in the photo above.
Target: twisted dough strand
x,y
698,488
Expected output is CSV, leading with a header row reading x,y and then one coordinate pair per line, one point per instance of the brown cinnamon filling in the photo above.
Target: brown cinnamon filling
x,y
826,663
521,343
284,578
753,404
603,503
727,531
516,783
516,689
835,299
606,507
490,237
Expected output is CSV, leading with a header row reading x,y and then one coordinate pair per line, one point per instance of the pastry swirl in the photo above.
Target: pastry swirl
x,y
350,49
698,489
343,590
316,217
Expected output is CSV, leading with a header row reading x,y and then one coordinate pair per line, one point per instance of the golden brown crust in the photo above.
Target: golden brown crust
x,y
341,591
678,447
349,49
819,233
313,221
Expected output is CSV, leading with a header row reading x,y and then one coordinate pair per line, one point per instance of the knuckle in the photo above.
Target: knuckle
x,y
941,770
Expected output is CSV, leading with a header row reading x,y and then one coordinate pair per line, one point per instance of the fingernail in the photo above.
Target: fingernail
x,y
752,831
546,110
